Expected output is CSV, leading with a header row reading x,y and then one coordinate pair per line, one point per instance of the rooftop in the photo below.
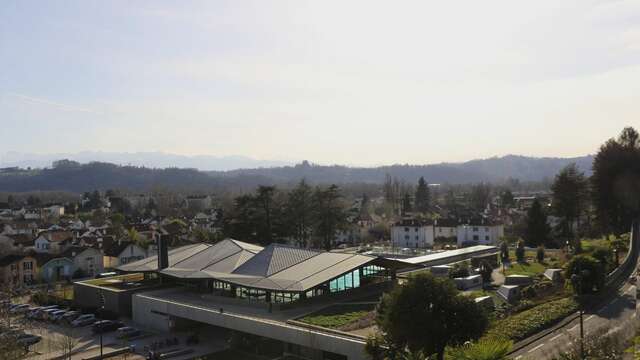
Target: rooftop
x,y
275,267
470,251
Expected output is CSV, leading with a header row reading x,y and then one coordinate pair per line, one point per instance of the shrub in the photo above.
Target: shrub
x,y
528,322
520,251
459,270
540,254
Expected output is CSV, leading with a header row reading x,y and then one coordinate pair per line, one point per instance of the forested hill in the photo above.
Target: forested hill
x,y
74,177
497,169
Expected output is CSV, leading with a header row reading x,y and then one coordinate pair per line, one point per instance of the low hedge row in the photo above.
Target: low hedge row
x,y
519,326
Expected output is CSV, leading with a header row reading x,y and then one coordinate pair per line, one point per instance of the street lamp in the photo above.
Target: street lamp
x,y
576,281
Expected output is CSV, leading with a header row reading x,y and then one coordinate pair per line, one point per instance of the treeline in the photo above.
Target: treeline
x,y
513,171
605,203
310,216
495,170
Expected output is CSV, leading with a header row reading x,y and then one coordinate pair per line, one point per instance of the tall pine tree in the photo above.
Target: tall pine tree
x,y
423,197
537,231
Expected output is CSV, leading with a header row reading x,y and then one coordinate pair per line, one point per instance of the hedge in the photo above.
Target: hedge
x,y
522,325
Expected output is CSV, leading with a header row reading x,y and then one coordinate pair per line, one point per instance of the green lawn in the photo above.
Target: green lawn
x,y
337,316
530,269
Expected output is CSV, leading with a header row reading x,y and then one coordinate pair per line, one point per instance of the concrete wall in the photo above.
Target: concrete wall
x,y
155,313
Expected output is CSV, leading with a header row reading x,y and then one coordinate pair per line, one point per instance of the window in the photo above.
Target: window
x,y
406,237
417,237
475,229
27,265
476,237
486,229
416,229
486,237
406,229
349,280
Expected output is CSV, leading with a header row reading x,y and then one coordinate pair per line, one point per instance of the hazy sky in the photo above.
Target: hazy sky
x,y
353,82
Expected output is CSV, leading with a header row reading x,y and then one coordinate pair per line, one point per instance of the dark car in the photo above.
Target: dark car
x,y
104,326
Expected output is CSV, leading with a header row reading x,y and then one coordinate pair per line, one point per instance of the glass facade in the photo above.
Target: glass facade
x,y
372,270
251,294
347,281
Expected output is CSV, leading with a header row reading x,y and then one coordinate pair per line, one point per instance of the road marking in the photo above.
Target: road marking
x,y
574,326
536,348
590,317
555,337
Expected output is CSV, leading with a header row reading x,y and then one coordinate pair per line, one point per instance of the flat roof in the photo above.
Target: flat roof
x,y
470,251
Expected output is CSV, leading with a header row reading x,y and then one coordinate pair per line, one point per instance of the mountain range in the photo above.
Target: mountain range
x,y
147,159
100,175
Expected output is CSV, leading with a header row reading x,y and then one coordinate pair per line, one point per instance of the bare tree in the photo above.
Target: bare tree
x,y
66,341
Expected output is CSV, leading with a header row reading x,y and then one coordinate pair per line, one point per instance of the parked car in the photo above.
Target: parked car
x,y
40,312
19,309
46,314
104,326
28,339
69,316
56,315
84,320
127,332
32,311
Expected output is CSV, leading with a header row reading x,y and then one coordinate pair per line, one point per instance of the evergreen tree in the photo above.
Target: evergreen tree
x,y
299,213
570,195
616,182
506,199
423,196
537,230
406,204
330,214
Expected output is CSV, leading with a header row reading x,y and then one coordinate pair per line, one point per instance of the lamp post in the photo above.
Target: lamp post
x,y
576,281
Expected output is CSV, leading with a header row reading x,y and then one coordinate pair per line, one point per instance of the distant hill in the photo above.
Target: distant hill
x,y
87,177
496,169
147,159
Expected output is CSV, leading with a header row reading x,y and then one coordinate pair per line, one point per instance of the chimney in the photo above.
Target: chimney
x,y
163,253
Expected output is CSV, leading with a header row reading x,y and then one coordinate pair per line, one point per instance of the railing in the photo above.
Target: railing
x,y
630,261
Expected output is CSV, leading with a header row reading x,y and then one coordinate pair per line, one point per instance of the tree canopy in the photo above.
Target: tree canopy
x,y
428,314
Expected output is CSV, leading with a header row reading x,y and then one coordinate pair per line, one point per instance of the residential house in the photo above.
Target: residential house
x,y
86,259
445,228
17,270
479,232
124,252
412,233
53,242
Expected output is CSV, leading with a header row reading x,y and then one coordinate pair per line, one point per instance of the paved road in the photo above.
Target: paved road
x,y
617,316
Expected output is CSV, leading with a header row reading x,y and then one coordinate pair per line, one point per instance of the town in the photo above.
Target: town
x,y
310,272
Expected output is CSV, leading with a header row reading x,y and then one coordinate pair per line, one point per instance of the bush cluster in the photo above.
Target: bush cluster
x,y
528,322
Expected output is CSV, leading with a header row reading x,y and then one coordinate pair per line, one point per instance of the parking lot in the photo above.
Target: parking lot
x,y
60,338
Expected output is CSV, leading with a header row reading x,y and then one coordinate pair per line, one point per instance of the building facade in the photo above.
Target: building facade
x,y
411,233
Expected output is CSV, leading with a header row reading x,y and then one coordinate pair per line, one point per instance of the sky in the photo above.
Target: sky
x,y
334,82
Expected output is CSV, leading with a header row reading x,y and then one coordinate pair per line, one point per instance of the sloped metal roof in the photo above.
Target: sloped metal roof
x,y
191,258
274,258
276,267
175,255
